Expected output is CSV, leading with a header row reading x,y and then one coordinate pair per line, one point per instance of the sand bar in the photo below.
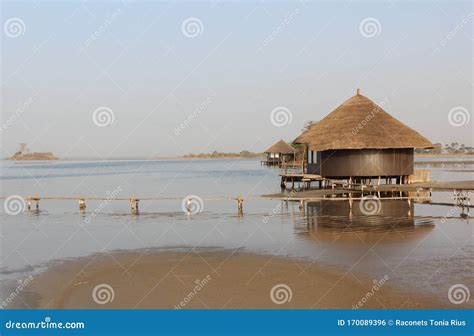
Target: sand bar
x,y
210,279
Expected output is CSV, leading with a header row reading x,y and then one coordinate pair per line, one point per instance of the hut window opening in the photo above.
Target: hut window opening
x,y
311,157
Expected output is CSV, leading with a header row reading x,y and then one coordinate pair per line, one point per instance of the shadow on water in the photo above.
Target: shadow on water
x,y
367,220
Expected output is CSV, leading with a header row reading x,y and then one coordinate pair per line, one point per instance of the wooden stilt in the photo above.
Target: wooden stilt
x,y
134,205
240,205
302,205
189,206
82,204
468,203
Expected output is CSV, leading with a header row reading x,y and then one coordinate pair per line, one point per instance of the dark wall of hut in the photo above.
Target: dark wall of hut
x,y
344,163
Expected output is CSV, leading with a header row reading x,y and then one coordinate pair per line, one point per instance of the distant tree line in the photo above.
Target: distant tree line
x,y
216,154
453,148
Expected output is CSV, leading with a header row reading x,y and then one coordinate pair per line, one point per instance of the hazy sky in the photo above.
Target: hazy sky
x,y
196,77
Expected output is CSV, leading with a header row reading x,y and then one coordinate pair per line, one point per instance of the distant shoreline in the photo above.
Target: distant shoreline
x,y
47,156
171,158
186,158
445,155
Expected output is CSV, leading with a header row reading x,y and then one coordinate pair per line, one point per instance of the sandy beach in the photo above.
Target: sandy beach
x,y
209,279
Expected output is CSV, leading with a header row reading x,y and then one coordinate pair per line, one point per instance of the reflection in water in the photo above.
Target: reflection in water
x,y
336,220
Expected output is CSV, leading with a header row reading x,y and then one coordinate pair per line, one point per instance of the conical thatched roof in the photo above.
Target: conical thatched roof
x,y
281,147
360,123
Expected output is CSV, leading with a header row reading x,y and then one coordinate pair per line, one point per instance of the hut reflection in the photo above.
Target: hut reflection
x,y
331,220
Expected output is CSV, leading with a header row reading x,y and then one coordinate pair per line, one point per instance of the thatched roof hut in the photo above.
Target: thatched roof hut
x,y
359,123
360,139
280,147
278,154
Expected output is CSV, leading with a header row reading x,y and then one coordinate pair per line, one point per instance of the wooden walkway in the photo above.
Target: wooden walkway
x,y
304,180
460,197
343,185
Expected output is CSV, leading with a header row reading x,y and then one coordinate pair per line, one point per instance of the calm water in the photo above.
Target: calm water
x,y
416,245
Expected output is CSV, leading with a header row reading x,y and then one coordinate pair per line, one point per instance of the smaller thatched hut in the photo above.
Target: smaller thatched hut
x,y
278,154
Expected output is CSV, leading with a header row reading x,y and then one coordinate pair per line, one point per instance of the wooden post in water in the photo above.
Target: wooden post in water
x,y
302,206
82,205
240,205
189,206
134,205
468,202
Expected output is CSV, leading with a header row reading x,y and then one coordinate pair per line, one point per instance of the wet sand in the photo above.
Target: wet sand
x,y
210,279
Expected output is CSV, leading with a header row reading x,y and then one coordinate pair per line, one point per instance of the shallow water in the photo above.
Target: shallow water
x,y
425,248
